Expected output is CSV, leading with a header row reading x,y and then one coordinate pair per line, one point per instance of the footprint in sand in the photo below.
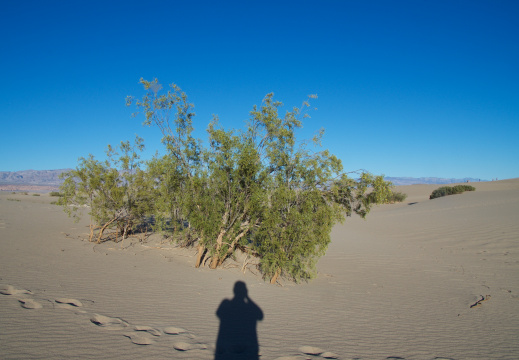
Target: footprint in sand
x,y
11,290
145,339
69,304
139,339
148,329
68,301
329,355
315,351
108,323
184,346
311,350
326,355
30,304
112,323
171,330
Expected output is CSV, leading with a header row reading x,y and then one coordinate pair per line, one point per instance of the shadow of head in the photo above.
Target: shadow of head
x,y
240,290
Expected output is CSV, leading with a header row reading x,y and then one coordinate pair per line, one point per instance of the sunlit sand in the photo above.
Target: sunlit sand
x,y
423,279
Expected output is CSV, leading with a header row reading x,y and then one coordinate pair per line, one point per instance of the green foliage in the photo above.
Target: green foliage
x,y
257,189
35,194
294,233
461,188
54,193
167,189
115,191
450,190
395,197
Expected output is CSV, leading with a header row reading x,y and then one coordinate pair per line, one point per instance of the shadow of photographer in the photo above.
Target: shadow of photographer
x,y
237,336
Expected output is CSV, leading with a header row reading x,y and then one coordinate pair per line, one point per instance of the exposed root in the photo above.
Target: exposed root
x,y
483,298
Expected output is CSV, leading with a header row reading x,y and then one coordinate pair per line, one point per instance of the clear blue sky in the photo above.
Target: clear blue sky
x,y
406,88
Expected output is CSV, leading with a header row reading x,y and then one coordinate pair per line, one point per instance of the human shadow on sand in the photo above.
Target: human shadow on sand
x,y
237,336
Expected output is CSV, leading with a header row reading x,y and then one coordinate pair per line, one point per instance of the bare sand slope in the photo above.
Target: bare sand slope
x,y
438,279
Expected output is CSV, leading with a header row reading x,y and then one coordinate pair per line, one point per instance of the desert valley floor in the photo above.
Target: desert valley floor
x,y
420,280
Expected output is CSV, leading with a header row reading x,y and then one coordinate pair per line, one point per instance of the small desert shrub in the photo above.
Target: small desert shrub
x,y
9,199
458,189
397,197
450,190
25,193
55,193
35,194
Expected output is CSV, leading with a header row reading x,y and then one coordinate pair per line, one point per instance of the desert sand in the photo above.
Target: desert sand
x,y
420,280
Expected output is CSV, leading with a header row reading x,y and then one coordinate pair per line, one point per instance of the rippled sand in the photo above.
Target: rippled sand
x,y
425,279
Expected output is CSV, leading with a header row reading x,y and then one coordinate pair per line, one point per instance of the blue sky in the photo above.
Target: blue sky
x,y
406,88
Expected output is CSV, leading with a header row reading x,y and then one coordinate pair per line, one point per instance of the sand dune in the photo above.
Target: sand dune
x,y
425,279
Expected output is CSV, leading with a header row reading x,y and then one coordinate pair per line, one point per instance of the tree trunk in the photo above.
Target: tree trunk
x,y
91,231
103,229
245,263
215,261
201,252
233,245
275,277
127,229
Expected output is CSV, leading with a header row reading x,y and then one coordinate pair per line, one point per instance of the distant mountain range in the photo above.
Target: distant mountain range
x,y
51,178
32,177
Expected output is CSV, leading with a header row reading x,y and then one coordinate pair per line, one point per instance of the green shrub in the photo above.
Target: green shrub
x,y
450,190
397,197
116,190
389,198
55,193
35,194
461,188
258,190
